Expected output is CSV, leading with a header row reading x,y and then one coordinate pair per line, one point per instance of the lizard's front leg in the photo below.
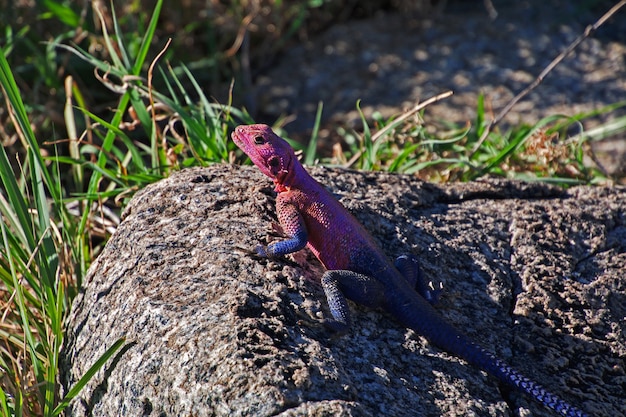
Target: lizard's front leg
x,y
341,285
293,225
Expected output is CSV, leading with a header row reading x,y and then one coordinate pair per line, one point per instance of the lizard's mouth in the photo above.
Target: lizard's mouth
x,y
236,138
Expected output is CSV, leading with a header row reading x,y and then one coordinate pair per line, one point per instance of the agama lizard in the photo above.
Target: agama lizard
x,y
357,268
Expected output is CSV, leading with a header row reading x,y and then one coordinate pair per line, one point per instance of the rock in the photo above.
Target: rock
x,y
532,272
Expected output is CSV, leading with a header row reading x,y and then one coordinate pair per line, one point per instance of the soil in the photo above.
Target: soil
x,y
392,61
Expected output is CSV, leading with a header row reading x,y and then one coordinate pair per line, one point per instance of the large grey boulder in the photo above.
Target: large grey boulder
x,y
532,272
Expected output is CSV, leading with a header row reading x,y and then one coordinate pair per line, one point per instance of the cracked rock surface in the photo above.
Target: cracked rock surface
x,y
532,272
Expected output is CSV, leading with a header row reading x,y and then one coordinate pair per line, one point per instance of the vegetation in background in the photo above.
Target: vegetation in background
x,y
97,107
58,201
547,151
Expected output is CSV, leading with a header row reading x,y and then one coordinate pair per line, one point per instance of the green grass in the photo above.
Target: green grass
x,y
57,195
38,259
50,234
545,151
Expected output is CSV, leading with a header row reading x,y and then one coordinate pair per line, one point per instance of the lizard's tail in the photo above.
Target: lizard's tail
x,y
504,372
477,356
420,316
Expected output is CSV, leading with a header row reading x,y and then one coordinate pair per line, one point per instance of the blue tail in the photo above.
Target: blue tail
x,y
504,372
416,312
420,316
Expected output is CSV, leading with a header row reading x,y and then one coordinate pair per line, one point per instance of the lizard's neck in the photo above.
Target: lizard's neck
x,y
295,176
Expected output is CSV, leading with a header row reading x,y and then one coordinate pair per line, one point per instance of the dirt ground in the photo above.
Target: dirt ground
x,y
392,61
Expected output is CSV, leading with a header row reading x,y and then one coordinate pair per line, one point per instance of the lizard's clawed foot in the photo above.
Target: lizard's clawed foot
x,y
333,327
261,251
431,294
336,328
409,267
246,251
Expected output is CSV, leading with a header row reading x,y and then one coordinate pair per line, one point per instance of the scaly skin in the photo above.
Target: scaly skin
x,y
357,268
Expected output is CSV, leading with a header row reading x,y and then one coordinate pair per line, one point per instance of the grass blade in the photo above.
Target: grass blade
x,y
147,39
311,150
75,390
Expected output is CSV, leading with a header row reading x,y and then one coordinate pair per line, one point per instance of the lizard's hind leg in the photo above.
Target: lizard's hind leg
x,y
342,285
409,267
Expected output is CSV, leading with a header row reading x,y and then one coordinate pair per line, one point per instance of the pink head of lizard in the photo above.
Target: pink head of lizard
x,y
274,157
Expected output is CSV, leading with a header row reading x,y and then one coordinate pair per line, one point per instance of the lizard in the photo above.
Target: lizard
x,y
357,268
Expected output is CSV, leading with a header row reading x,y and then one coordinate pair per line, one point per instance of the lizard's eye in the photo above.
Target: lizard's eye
x,y
259,140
